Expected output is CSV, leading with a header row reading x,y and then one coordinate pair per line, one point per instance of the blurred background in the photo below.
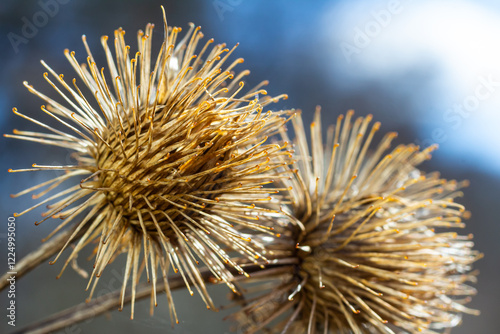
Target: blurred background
x,y
429,70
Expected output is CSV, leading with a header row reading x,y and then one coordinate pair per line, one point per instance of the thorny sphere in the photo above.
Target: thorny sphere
x,y
172,157
369,237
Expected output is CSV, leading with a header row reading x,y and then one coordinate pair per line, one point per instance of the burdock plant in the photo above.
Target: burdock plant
x,y
370,231
172,159
174,167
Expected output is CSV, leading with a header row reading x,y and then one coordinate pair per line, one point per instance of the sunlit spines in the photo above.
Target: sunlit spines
x,y
369,235
173,156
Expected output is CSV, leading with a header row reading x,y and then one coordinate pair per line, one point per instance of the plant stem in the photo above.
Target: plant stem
x,y
83,311
41,254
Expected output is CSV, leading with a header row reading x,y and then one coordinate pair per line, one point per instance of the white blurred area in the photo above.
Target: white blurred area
x,y
458,42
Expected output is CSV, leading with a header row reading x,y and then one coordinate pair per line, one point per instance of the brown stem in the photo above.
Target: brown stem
x,y
111,300
36,257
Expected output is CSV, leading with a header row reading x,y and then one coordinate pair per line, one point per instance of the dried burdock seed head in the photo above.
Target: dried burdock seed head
x,y
172,159
372,239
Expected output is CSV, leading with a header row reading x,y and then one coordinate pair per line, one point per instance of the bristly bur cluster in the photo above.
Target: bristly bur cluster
x,y
177,172
370,230
173,158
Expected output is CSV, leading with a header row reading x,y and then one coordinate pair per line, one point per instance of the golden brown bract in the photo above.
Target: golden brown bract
x,y
372,239
172,163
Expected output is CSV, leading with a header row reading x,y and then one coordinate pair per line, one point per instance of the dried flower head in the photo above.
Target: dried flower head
x,y
172,159
371,238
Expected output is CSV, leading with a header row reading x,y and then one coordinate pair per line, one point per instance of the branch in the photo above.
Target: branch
x,y
36,257
111,300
